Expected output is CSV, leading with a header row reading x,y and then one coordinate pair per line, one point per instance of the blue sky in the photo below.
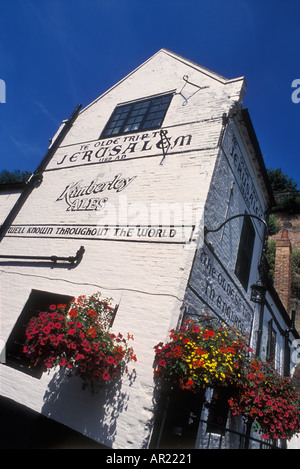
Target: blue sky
x,y
55,54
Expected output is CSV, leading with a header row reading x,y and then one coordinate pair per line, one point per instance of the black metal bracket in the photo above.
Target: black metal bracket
x,y
186,79
165,144
71,259
206,230
258,289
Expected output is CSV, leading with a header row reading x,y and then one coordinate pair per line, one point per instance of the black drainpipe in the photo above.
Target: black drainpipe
x,y
37,177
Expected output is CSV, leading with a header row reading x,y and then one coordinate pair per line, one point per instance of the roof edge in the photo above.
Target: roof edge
x,y
253,138
176,56
202,69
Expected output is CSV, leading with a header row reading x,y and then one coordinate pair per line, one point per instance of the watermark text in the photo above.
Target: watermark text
x,y
296,93
296,353
2,91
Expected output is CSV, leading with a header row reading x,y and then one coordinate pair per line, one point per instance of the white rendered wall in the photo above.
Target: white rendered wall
x,y
146,276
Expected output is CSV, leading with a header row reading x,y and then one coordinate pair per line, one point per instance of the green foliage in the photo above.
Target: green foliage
x,y
8,177
296,273
270,256
280,182
274,225
289,205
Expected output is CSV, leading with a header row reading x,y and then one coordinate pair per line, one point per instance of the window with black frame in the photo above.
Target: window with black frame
x,y
37,302
145,114
218,411
245,252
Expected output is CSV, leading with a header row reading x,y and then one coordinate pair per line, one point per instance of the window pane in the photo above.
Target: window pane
x,y
122,109
145,114
157,112
155,115
245,252
142,105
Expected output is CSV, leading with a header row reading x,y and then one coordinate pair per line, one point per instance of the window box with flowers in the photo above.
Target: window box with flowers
x,y
209,354
79,339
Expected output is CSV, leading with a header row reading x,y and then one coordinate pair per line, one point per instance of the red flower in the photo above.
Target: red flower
x,y
92,332
79,356
49,362
63,337
106,376
92,313
162,363
208,334
110,359
73,313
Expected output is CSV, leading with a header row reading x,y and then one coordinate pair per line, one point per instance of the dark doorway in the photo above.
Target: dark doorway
x,y
177,421
22,428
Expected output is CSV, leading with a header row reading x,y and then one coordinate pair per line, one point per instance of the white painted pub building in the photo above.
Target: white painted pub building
x,y
123,203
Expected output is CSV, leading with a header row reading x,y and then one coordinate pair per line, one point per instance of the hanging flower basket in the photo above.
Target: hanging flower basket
x,y
79,339
201,354
209,354
269,401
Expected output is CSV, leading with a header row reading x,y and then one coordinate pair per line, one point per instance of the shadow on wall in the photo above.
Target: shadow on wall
x,y
93,413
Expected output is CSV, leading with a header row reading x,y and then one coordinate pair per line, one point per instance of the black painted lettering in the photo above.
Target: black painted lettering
x,y
115,150
145,146
64,157
182,140
87,155
130,148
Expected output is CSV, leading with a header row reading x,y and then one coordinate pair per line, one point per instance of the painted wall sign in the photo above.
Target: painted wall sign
x,y
85,196
213,285
117,149
158,234
242,174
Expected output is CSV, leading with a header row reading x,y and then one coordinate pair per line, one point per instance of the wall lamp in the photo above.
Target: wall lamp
x,y
258,290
